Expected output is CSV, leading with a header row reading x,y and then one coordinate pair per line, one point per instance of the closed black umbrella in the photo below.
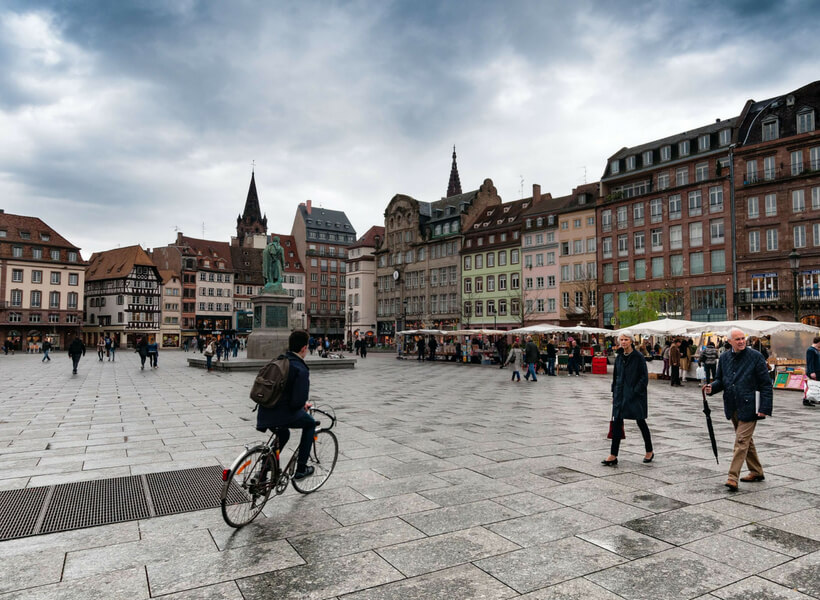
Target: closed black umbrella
x,y
708,412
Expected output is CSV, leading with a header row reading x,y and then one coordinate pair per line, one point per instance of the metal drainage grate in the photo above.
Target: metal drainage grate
x,y
19,510
99,502
191,489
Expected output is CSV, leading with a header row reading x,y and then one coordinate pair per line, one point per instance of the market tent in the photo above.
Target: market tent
x,y
751,327
478,332
589,330
539,329
424,332
661,327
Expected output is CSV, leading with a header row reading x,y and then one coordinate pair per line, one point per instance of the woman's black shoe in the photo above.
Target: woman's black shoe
x,y
609,463
650,459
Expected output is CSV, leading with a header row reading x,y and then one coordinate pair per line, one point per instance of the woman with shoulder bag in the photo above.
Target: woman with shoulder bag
x,y
209,353
629,381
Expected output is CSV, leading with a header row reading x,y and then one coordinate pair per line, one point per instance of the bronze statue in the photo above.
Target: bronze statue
x,y
273,263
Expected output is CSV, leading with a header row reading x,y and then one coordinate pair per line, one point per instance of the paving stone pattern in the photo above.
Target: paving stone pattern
x,y
452,482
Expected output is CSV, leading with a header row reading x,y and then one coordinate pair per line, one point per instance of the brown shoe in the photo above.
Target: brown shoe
x,y
732,485
751,478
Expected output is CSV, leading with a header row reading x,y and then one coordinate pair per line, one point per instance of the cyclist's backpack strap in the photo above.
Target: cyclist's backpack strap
x,y
270,382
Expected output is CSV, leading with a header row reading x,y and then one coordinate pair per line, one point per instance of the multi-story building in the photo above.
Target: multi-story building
x,y
491,266
418,263
777,176
539,250
42,277
577,258
361,285
171,315
122,296
322,237
662,220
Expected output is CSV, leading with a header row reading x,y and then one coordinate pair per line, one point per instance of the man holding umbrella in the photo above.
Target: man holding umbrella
x,y
742,374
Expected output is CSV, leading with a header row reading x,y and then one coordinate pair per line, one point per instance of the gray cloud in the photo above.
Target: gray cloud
x,y
126,119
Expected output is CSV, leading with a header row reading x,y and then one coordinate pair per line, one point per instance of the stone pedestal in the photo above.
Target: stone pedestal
x,y
271,325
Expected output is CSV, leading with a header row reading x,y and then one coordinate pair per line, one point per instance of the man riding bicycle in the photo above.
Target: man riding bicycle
x,y
290,411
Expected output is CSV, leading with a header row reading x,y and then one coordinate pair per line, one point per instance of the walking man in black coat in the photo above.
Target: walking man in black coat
x,y
813,366
76,350
742,374
531,356
420,348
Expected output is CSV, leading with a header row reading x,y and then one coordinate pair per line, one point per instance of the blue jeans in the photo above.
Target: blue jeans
x,y
46,356
531,371
308,426
550,366
208,360
572,365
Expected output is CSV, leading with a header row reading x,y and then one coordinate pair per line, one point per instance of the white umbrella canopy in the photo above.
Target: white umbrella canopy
x,y
478,332
589,330
751,327
538,329
660,327
424,332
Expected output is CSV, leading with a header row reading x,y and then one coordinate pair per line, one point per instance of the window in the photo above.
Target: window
x,y
515,281
623,245
640,269
718,258
674,206
607,273
816,228
606,247
54,300
502,283
468,263
657,267
639,242
468,285
17,297
676,265
36,299
754,241
696,263
647,158
768,168
578,247
702,172
751,171
17,275
682,176
696,234
502,258
666,153
797,162
55,255
814,158
17,251
566,274
565,300
550,304
799,236
479,284
479,261
623,270
656,210
675,237
753,207
539,260
55,278
771,205
637,214
805,121
514,254
724,137
72,256
770,130
683,148
798,201
539,283
630,163
695,203
614,167
37,253
73,279
73,299
490,259
663,180
551,281
591,245
528,261
621,217
716,232
771,239
657,240
715,199
815,198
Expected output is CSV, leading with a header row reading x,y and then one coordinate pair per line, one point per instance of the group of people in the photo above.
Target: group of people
x,y
529,358
324,345
106,347
426,350
147,348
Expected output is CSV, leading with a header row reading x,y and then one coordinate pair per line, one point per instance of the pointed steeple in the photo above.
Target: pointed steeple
x,y
454,187
251,222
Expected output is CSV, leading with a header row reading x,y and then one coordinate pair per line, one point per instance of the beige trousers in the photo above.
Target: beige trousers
x,y
744,449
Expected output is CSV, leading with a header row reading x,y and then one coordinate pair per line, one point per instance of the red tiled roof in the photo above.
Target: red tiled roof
x,y
208,249
116,263
14,224
368,240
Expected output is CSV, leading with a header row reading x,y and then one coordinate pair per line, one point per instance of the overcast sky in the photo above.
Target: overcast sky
x,y
121,121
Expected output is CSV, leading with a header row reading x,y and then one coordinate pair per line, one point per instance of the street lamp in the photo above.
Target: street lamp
x,y
350,326
794,263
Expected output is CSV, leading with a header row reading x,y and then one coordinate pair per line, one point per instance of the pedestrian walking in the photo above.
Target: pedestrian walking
x,y
432,345
142,350
421,347
575,360
108,346
667,347
152,349
516,358
115,344
209,352
709,358
76,350
812,368
46,349
743,377
101,347
552,354
363,348
675,362
629,380
531,357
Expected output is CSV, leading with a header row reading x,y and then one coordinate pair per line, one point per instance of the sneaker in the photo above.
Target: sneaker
x,y
302,473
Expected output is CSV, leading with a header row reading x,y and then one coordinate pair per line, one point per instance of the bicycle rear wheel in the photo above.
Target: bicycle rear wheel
x,y
323,460
247,487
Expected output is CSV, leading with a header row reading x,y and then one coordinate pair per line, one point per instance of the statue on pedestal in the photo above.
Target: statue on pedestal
x,y
273,266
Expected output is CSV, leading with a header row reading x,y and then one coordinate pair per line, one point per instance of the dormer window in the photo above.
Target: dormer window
x,y
683,148
647,158
666,153
614,167
25,235
703,143
770,130
724,137
45,237
805,121
630,163
528,223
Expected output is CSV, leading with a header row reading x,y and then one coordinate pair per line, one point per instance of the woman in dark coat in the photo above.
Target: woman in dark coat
x,y
629,381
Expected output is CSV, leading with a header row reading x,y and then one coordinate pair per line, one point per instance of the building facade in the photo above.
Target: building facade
x,y
577,257
171,315
662,219
777,176
122,296
539,250
361,285
42,279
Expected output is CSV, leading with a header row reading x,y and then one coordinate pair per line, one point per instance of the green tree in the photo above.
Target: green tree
x,y
643,306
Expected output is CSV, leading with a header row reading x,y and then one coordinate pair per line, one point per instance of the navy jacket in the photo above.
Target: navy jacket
x,y
629,381
292,403
739,375
813,362
531,354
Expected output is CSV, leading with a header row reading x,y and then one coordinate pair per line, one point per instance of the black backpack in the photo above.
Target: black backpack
x,y
270,382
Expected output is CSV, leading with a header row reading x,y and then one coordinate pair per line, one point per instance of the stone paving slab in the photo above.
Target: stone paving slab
x,y
450,483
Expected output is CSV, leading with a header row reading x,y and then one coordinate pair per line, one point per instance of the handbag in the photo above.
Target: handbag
x,y
700,373
812,389
612,426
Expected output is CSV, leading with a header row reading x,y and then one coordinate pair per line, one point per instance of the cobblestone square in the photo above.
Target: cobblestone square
x,y
452,482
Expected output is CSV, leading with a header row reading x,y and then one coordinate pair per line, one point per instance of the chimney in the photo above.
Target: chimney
x,y
307,206
536,193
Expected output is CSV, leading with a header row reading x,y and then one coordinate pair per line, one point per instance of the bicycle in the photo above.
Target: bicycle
x,y
248,483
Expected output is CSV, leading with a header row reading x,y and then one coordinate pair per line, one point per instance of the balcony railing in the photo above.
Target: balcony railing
x,y
782,298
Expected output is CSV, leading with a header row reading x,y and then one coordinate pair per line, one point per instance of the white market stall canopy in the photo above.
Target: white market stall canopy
x,y
424,332
751,327
662,327
543,329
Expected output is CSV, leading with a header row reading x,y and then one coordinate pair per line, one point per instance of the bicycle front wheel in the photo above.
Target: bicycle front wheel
x,y
247,487
323,457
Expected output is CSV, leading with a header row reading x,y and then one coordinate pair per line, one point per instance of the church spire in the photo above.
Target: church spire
x,y
251,222
454,187
252,203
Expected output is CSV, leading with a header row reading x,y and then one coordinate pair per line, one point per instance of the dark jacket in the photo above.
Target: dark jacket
x,y
629,380
813,362
531,354
709,356
576,352
739,375
292,403
76,347
551,353
142,347
46,346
